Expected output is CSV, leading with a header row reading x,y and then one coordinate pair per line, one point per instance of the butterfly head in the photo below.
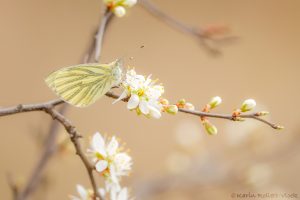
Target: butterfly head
x,y
117,71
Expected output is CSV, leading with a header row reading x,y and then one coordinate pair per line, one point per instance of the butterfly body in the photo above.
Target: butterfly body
x,y
81,85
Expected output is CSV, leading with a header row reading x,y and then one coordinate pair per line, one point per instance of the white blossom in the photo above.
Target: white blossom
x,y
83,193
109,160
86,194
144,95
121,194
115,193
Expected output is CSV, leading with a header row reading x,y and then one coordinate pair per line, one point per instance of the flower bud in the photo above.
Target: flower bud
x,y
248,105
189,106
164,102
215,101
129,3
181,103
172,109
119,11
239,119
262,113
278,127
210,128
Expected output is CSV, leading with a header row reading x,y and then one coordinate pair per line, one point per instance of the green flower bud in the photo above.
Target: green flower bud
x,y
172,109
215,101
248,105
210,128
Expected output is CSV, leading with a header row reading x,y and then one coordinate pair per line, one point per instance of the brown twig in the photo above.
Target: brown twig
x,y
49,150
201,34
13,186
74,136
48,108
228,116
41,106
100,34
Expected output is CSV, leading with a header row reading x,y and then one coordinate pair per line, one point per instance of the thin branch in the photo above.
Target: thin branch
x,y
41,106
48,107
74,136
100,34
29,107
49,150
201,34
228,116
13,186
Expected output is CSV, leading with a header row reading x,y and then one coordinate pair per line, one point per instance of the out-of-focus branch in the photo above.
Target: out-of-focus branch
x,y
48,108
49,150
100,34
12,185
205,36
74,136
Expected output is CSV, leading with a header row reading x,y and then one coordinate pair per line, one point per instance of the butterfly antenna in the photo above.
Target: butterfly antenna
x,y
132,52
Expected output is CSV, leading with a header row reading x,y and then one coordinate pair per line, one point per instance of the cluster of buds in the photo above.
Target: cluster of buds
x,y
118,7
209,127
182,103
174,108
168,108
249,105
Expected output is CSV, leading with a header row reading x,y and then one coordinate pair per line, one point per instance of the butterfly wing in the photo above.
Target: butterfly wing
x,y
82,85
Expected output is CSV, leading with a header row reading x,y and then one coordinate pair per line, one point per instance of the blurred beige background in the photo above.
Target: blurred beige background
x,y
39,36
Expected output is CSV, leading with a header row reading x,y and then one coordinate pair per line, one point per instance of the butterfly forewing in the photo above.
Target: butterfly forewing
x,y
82,85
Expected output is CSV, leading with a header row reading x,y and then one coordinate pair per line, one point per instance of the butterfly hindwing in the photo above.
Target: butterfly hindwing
x,y
82,85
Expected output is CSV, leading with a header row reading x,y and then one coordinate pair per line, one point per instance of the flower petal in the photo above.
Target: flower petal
x,y
130,3
82,192
122,163
133,101
98,144
114,176
74,198
122,96
112,147
101,165
102,192
123,195
144,107
155,113
119,11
